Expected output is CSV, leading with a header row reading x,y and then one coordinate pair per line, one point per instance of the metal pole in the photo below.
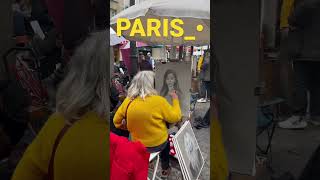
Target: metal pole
x,y
191,53
180,52
134,53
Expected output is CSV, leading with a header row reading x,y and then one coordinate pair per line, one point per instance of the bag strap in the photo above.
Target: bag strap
x,y
125,115
53,153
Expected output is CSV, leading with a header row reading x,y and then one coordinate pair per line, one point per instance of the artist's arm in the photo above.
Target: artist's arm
x,y
171,114
120,114
302,13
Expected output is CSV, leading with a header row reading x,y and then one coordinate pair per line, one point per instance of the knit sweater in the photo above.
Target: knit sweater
x,y
82,154
147,118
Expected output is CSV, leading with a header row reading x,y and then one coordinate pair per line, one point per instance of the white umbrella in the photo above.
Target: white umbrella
x,y
192,12
114,39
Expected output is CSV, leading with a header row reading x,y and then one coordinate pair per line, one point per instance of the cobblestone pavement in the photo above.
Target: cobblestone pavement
x,y
203,138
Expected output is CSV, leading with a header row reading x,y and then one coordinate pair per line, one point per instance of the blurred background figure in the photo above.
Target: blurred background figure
x,y
150,60
205,78
80,119
304,50
144,64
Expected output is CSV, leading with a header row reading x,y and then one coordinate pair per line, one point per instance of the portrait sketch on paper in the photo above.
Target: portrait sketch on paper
x,y
175,76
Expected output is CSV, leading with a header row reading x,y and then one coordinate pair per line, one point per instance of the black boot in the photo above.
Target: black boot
x,y
202,124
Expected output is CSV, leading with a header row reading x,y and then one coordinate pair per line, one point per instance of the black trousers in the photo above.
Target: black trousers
x,y
164,154
307,78
205,87
206,118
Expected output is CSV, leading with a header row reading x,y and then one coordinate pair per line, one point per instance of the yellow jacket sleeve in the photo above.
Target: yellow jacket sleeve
x,y
120,114
171,114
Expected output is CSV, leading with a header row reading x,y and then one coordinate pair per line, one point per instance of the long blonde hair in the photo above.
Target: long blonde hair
x,y
85,87
142,85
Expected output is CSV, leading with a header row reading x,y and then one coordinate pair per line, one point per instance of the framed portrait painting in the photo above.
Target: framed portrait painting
x,y
189,154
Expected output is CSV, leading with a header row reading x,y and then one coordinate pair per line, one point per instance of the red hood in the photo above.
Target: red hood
x,y
128,160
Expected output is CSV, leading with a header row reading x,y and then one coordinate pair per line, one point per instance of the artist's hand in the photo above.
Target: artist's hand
x,y
173,94
181,122
178,124
124,124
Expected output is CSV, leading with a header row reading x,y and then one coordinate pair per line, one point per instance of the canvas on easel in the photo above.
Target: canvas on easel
x,y
189,154
175,76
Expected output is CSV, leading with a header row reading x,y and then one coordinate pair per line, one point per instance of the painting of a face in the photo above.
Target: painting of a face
x,y
188,144
171,80
189,151
174,76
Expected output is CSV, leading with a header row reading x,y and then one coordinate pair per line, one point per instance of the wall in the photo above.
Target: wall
x,y
236,35
114,5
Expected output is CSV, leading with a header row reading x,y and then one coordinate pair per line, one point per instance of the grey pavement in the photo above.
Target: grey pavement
x,y
292,149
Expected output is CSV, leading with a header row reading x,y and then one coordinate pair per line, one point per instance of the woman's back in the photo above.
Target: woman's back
x,y
147,118
81,154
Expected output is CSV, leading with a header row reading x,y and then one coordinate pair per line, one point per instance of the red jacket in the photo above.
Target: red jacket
x,y
128,160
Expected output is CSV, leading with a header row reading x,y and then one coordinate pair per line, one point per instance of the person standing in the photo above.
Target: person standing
x,y
205,121
205,78
150,60
304,24
144,65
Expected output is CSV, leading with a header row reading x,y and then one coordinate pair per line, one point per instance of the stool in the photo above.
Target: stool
x,y
269,115
152,157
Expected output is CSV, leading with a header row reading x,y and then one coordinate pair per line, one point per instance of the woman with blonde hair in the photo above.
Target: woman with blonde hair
x,y
73,143
145,114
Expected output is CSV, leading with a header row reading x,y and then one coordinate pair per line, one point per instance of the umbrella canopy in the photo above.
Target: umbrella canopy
x,y
114,39
193,13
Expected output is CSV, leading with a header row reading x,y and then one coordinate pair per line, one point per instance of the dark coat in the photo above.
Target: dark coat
x,y
145,66
305,18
